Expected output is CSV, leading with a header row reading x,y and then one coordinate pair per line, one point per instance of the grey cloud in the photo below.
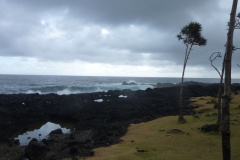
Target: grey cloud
x,y
114,12
156,22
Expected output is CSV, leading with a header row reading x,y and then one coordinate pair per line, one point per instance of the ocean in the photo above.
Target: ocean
x,y
45,84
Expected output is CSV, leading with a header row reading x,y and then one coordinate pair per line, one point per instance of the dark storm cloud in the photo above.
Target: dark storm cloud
x,y
160,13
137,31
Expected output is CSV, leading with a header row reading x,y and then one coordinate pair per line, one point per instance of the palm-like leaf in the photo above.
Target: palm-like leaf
x,y
191,34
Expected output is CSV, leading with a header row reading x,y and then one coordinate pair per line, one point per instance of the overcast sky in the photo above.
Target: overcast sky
x,y
111,37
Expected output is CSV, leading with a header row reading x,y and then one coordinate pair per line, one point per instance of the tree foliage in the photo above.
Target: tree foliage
x,y
191,34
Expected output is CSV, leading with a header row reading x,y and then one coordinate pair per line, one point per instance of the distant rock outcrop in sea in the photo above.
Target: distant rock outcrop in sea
x,y
161,85
130,83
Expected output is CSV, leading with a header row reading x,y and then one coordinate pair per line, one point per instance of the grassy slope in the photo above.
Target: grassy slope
x,y
160,145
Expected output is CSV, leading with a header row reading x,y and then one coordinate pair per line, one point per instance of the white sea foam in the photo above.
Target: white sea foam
x,y
67,92
122,96
64,92
98,100
99,89
96,88
32,92
131,81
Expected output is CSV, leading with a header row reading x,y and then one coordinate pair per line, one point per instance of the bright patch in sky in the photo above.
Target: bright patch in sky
x,y
104,32
146,55
43,22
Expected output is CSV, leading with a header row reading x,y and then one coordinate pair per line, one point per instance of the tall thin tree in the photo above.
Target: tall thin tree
x,y
212,58
190,35
226,146
215,55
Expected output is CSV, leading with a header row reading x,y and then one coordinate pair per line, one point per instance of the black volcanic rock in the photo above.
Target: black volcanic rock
x,y
210,128
175,131
130,83
56,131
96,124
35,150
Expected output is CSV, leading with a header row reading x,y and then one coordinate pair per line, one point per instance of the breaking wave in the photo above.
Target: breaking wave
x,y
15,84
66,90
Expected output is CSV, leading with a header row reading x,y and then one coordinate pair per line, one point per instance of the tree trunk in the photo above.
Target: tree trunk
x,y
226,147
181,119
219,121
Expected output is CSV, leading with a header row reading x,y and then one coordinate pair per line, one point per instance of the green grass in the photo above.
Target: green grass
x,y
160,145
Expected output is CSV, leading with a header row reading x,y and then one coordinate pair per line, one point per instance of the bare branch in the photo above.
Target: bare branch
x,y
214,57
237,22
235,48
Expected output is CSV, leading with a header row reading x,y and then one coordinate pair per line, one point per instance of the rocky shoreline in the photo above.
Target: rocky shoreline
x,y
96,123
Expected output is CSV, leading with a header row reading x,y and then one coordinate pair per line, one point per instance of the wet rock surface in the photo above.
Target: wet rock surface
x,y
96,124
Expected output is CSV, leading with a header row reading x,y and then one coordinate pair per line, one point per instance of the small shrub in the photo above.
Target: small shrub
x,y
213,100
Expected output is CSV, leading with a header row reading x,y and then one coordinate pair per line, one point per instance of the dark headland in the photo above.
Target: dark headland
x,y
96,123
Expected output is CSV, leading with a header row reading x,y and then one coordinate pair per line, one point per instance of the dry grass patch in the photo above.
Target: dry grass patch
x,y
205,104
152,138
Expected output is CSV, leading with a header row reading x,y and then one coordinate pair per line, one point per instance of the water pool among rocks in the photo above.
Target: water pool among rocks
x,y
40,133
